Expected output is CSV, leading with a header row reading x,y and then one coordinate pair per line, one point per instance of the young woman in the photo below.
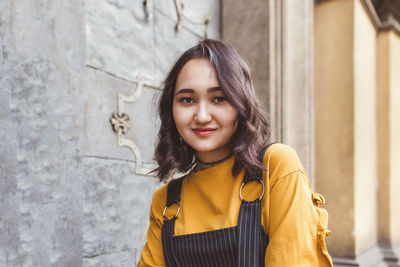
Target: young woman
x,y
242,202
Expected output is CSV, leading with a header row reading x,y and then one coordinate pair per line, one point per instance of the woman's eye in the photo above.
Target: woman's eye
x,y
186,100
219,99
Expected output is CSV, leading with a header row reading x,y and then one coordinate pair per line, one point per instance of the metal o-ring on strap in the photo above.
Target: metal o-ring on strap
x,y
262,194
177,212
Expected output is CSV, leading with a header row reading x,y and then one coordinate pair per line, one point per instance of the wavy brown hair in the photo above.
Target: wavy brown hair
x,y
252,135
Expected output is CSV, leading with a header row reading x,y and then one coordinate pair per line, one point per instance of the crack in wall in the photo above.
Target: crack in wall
x,y
110,253
114,159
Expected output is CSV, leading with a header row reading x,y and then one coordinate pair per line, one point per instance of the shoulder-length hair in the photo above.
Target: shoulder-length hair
x,y
252,135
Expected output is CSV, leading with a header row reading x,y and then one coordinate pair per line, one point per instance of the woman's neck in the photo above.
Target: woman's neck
x,y
206,161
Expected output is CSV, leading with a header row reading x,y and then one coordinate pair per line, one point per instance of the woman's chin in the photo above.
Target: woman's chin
x,y
203,149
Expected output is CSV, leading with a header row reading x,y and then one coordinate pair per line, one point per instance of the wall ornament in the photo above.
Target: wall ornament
x,y
179,6
120,122
180,12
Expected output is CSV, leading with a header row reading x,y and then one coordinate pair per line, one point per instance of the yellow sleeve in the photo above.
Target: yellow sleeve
x,y
152,253
295,226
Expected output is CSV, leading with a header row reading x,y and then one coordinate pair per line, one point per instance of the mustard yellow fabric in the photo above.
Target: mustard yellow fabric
x,y
210,200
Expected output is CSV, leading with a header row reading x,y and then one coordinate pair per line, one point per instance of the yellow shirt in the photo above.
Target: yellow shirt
x,y
296,226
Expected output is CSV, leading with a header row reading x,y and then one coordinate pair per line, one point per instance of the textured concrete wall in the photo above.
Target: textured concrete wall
x,y
41,73
69,196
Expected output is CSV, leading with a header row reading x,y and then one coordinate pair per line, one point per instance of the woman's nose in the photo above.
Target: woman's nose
x,y
203,113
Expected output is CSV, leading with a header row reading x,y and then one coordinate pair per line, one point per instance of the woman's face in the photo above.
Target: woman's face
x,y
204,118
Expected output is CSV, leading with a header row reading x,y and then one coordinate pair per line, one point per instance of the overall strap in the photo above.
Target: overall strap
x,y
258,175
167,231
249,235
174,191
250,247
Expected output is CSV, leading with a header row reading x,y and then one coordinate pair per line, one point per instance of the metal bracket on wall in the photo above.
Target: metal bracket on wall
x,y
179,6
148,9
120,122
196,20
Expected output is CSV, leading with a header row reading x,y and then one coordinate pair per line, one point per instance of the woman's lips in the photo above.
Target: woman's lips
x,y
203,131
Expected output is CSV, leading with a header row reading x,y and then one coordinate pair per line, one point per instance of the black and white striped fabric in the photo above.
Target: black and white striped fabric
x,y
243,245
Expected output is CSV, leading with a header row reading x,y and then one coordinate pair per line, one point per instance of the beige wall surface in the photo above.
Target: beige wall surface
x,y
364,130
395,135
383,136
334,119
388,138
357,130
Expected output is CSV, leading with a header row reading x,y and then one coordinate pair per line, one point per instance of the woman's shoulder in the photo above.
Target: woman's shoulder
x,y
158,201
278,151
281,160
160,193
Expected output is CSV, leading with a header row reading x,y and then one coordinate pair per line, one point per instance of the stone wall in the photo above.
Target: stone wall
x,y
69,195
42,109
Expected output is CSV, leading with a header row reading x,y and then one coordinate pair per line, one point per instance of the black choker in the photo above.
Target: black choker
x,y
214,162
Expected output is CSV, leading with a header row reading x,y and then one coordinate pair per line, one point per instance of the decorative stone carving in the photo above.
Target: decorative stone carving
x,y
196,20
120,123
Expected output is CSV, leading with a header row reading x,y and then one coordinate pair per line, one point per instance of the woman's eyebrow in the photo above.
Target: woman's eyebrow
x,y
213,89
191,91
185,90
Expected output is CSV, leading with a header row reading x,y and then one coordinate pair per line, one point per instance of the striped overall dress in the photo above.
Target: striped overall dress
x,y
243,245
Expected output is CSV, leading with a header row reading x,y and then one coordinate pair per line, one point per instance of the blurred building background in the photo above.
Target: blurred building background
x,y
79,82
